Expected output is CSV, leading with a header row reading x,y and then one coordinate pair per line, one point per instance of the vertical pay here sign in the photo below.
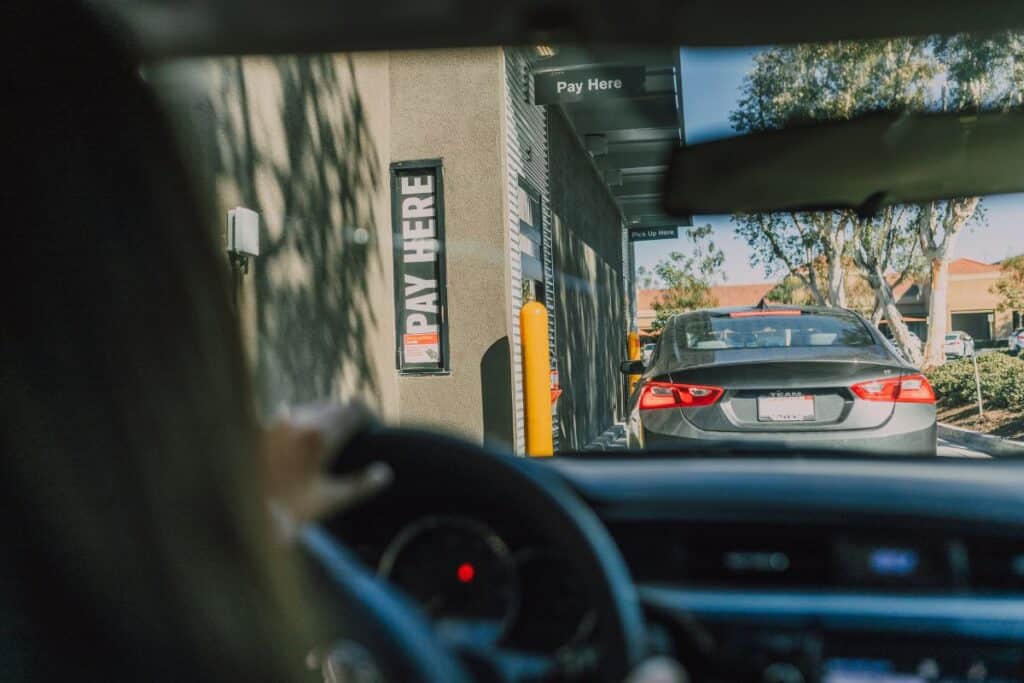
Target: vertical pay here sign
x,y
417,217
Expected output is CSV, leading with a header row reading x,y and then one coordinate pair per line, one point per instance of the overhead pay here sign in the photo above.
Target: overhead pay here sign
x,y
417,210
591,83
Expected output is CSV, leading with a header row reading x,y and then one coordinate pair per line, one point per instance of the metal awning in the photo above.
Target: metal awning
x,y
630,137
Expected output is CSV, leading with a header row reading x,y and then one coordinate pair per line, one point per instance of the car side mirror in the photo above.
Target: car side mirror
x,y
632,367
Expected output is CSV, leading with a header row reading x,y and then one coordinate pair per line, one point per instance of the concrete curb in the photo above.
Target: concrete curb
x,y
986,443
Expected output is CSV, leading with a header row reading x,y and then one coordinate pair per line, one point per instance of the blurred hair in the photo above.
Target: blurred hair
x,y
135,540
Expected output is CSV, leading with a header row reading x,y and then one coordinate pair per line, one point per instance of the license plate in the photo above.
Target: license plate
x,y
785,408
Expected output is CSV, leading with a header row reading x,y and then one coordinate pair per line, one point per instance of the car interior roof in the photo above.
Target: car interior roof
x,y
158,28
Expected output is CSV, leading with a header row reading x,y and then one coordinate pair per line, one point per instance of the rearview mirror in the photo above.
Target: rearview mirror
x,y
863,164
632,367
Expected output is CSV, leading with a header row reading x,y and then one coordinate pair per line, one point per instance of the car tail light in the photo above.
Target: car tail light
x,y
657,395
783,313
906,389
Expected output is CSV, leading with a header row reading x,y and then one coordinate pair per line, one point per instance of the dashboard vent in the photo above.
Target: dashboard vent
x,y
756,556
730,554
772,555
996,564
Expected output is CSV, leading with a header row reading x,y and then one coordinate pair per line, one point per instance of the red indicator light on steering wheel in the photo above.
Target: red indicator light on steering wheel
x,y
465,572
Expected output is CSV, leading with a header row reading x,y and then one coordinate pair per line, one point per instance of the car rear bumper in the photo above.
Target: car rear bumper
x,y
910,431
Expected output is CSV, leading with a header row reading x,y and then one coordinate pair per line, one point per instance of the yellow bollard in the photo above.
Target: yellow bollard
x,y
533,329
633,347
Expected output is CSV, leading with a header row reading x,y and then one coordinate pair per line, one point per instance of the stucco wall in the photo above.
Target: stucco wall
x,y
972,292
966,294
305,142
450,105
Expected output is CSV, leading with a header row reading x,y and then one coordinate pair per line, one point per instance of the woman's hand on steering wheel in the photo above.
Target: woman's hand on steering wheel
x,y
298,450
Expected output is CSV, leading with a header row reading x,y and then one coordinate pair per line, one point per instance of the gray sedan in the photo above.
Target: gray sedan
x,y
771,377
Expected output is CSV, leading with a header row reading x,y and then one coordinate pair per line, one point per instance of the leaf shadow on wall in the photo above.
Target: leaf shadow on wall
x,y
314,317
590,337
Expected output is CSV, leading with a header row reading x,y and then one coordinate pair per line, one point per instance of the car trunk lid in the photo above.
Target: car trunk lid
x,y
772,390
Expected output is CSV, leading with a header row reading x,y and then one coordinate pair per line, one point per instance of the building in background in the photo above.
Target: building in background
x,y
972,304
723,295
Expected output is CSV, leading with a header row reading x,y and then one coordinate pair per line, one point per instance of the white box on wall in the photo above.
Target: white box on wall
x,y
243,231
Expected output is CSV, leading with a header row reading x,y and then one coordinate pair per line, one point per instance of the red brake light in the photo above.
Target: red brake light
x,y
657,395
906,389
770,314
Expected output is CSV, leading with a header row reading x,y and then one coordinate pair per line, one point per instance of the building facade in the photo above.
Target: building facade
x,y
722,295
972,303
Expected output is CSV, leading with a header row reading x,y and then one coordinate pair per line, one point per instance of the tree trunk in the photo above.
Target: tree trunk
x,y
885,304
879,311
837,284
810,282
899,329
938,324
957,214
819,298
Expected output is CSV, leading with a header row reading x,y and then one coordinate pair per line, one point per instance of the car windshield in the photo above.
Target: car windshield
x,y
475,241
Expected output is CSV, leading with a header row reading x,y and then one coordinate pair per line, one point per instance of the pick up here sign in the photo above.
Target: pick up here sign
x,y
578,85
417,211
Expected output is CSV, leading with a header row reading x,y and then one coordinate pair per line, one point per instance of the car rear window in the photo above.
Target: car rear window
x,y
709,331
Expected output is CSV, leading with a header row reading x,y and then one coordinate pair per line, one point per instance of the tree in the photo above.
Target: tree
x,y
939,225
1010,286
881,245
841,80
980,73
685,279
836,81
800,242
789,290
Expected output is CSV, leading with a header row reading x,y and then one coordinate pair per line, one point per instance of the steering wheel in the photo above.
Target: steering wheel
x,y
403,644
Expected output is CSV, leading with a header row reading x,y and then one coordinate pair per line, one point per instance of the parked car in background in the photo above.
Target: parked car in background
x,y
647,351
803,377
1016,341
958,345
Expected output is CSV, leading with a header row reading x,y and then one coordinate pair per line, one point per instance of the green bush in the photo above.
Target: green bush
x,y
1002,381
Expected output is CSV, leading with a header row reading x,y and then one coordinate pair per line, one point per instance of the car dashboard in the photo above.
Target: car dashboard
x,y
823,570
774,570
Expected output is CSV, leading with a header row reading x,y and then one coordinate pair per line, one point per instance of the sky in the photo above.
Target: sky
x,y
711,86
